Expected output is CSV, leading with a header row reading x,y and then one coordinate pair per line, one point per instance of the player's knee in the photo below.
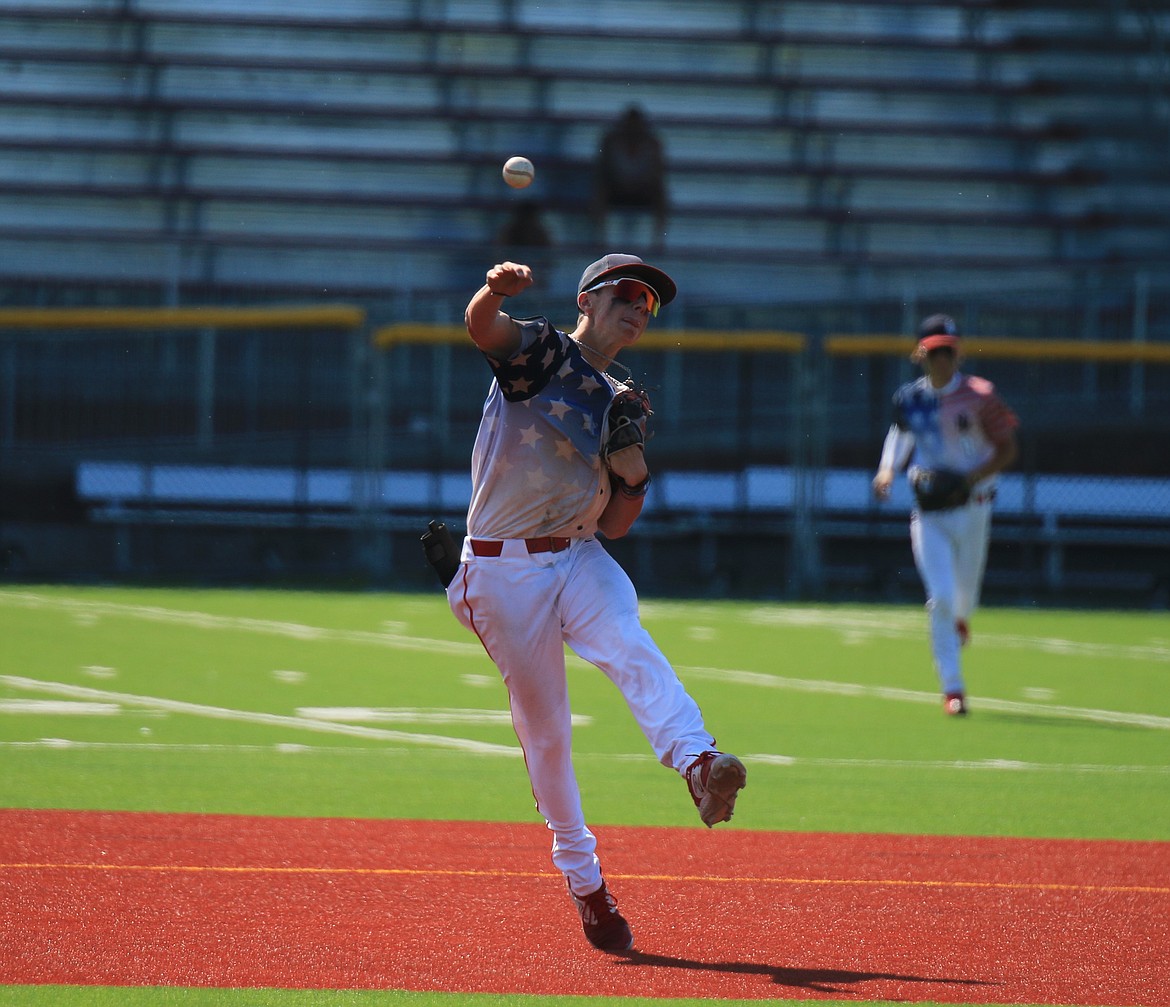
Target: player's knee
x,y
941,606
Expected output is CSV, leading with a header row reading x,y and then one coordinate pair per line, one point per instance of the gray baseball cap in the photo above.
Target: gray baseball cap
x,y
619,264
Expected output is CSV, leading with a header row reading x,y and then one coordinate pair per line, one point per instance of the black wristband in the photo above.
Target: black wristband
x,y
496,292
632,492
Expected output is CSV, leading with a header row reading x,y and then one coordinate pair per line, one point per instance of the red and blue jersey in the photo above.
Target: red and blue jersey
x,y
535,467
956,427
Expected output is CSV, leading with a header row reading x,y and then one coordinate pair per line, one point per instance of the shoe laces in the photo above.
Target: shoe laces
x,y
597,906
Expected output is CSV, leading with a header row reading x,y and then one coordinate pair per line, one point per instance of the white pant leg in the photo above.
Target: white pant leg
x,y
971,557
509,603
600,610
932,540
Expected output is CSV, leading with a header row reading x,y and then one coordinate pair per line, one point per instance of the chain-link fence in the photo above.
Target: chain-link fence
x,y
252,443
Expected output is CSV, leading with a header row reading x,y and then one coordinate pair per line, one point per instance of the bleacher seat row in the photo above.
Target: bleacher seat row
x,y
904,135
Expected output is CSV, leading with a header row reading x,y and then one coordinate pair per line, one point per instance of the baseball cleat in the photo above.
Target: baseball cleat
x,y
715,780
964,632
955,704
605,928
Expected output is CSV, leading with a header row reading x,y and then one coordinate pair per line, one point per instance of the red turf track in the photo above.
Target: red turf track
x,y
193,900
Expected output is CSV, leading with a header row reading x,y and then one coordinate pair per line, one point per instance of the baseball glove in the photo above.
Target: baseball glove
x,y
625,421
441,551
939,489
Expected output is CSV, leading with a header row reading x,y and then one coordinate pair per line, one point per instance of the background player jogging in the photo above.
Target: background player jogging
x,y
559,458
953,434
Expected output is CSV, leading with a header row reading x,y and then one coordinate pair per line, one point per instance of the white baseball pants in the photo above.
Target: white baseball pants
x,y
524,609
950,551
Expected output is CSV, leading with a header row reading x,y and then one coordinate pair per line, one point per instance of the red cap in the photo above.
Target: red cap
x,y
936,331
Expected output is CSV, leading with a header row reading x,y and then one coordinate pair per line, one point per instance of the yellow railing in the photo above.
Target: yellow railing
x,y
347,316
992,348
340,316
663,340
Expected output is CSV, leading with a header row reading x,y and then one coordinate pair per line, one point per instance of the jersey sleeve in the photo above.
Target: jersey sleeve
x,y
896,449
996,417
898,408
526,373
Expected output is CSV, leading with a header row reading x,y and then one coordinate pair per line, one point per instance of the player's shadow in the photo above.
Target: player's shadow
x,y
1042,719
816,980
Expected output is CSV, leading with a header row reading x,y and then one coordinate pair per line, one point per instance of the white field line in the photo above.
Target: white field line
x,y
253,717
753,759
854,624
333,714
58,708
811,685
402,715
271,627
284,748
416,715
858,626
985,765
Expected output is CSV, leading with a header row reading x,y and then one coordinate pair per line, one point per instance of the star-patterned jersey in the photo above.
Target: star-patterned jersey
x,y
536,468
955,427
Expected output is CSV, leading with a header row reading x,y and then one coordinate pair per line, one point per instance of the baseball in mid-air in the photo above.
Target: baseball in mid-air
x,y
518,172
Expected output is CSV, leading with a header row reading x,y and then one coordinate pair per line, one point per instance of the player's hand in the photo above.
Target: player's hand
x,y
629,464
882,483
509,278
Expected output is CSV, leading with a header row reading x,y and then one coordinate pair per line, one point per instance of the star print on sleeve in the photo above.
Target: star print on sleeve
x,y
919,411
526,374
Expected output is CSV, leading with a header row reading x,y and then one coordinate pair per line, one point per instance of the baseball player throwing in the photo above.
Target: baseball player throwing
x,y
953,434
558,459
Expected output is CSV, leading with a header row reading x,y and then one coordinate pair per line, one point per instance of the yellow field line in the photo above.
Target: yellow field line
x,y
468,873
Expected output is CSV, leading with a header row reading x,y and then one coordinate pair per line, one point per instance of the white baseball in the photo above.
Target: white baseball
x,y
518,172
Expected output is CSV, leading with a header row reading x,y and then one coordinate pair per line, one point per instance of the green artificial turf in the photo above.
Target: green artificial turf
x,y
195,701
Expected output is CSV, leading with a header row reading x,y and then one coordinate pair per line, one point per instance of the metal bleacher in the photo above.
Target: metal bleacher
x,y
354,147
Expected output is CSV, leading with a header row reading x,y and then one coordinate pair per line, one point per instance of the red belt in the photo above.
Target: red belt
x,y
494,547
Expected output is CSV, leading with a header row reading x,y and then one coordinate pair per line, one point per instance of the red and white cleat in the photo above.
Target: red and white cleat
x,y
605,928
715,780
955,704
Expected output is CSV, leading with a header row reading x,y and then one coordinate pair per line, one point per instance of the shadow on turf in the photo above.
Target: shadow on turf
x,y
817,980
1042,719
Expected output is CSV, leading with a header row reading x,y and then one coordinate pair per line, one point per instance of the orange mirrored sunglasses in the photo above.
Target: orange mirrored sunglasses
x,y
632,290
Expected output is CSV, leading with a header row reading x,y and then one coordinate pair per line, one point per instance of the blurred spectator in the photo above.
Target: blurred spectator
x,y
524,228
630,173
